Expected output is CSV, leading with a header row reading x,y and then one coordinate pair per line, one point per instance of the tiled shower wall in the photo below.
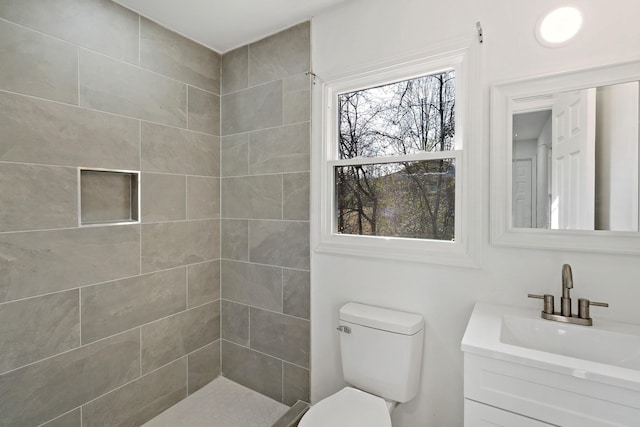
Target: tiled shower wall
x,y
108,324
265,215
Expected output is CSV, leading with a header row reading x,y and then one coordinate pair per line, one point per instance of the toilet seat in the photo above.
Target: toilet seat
x,y
348,408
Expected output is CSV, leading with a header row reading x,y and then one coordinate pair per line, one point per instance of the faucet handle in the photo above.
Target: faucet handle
x,y
583,307
548,302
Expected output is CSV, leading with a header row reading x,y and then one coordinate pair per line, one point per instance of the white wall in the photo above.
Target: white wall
x,y
363,32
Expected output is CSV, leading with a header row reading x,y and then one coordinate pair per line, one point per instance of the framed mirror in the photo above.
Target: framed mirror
x,y
564,160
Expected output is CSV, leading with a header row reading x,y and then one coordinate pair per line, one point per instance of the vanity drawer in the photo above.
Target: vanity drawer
x,y
479,415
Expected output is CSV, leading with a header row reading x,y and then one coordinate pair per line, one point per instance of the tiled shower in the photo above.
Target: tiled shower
x,y
110,324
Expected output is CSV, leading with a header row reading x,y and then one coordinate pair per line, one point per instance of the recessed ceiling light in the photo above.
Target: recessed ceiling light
x,y
557,27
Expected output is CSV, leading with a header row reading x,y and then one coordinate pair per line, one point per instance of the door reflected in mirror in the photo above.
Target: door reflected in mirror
x,y
575,159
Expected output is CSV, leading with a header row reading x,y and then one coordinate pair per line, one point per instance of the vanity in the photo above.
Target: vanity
x,y
564,177
522,370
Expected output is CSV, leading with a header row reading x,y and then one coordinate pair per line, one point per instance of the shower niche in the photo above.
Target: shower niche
x,y
108,197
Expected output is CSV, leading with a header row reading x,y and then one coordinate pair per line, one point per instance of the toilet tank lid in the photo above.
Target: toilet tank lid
x,y
384,319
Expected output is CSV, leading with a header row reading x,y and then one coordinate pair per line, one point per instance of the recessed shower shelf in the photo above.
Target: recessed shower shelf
x,y
108,196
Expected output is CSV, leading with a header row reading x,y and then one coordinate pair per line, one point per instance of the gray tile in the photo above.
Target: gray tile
x,y
163,197
283,243
138,402
235,322
280,55
41,262
296,293
39,131
171,244
70,419
107,197
282,149
235,70
281,336
254,197
234,152
168,53
255,108
296,83
173,337
251,369
204,283
297,107
37,197
116,87
295,384
35,328
99,25
171,150
235,239
38,65
203,197
116,306
252,284
73,378
297,99
204,366
295,199
204,111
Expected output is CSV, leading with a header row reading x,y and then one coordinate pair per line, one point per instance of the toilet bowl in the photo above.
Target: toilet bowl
x,y
381,353
349,407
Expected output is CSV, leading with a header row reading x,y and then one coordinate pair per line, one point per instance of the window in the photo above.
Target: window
x,y
408,129
392,164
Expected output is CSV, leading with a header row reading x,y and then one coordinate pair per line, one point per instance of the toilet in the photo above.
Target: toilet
x,y
381,351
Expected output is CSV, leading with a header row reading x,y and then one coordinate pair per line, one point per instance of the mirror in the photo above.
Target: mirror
x,y
564,160
575,159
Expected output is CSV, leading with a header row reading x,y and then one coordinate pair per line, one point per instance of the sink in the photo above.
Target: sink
x,y
602,344
518,364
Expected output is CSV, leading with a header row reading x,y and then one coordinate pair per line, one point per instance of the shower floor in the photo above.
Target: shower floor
x,y
221,403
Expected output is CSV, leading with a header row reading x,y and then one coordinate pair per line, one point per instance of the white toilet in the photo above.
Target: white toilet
x,y
381,353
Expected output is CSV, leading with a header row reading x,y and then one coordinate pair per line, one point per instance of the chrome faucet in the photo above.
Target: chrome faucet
x,y
549,313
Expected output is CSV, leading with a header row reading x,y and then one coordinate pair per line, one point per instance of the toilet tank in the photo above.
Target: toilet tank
x,y
382,350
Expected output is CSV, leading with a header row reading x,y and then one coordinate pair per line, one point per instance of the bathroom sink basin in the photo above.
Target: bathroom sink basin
x,y
608,351
602,344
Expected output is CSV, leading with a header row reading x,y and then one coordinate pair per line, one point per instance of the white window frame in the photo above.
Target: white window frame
x,y
461,252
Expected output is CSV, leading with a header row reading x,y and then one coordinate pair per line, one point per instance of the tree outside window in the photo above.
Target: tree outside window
x,y
381,188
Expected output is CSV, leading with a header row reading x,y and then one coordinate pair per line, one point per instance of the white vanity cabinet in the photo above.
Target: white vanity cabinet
x,y
520,370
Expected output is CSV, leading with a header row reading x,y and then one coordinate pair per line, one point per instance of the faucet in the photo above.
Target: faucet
x,y
583,317
567,285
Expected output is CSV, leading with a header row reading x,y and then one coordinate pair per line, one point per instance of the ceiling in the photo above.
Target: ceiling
x,y
529,125
223,25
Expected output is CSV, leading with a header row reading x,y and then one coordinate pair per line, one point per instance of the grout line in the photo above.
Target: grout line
x,y
265,174
187,105
186,198
78,59
267,310
140,354
264,265
105,282
268,355
111,336
265,129
107,112
186,287
80,313
139,41
62,415
121,61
